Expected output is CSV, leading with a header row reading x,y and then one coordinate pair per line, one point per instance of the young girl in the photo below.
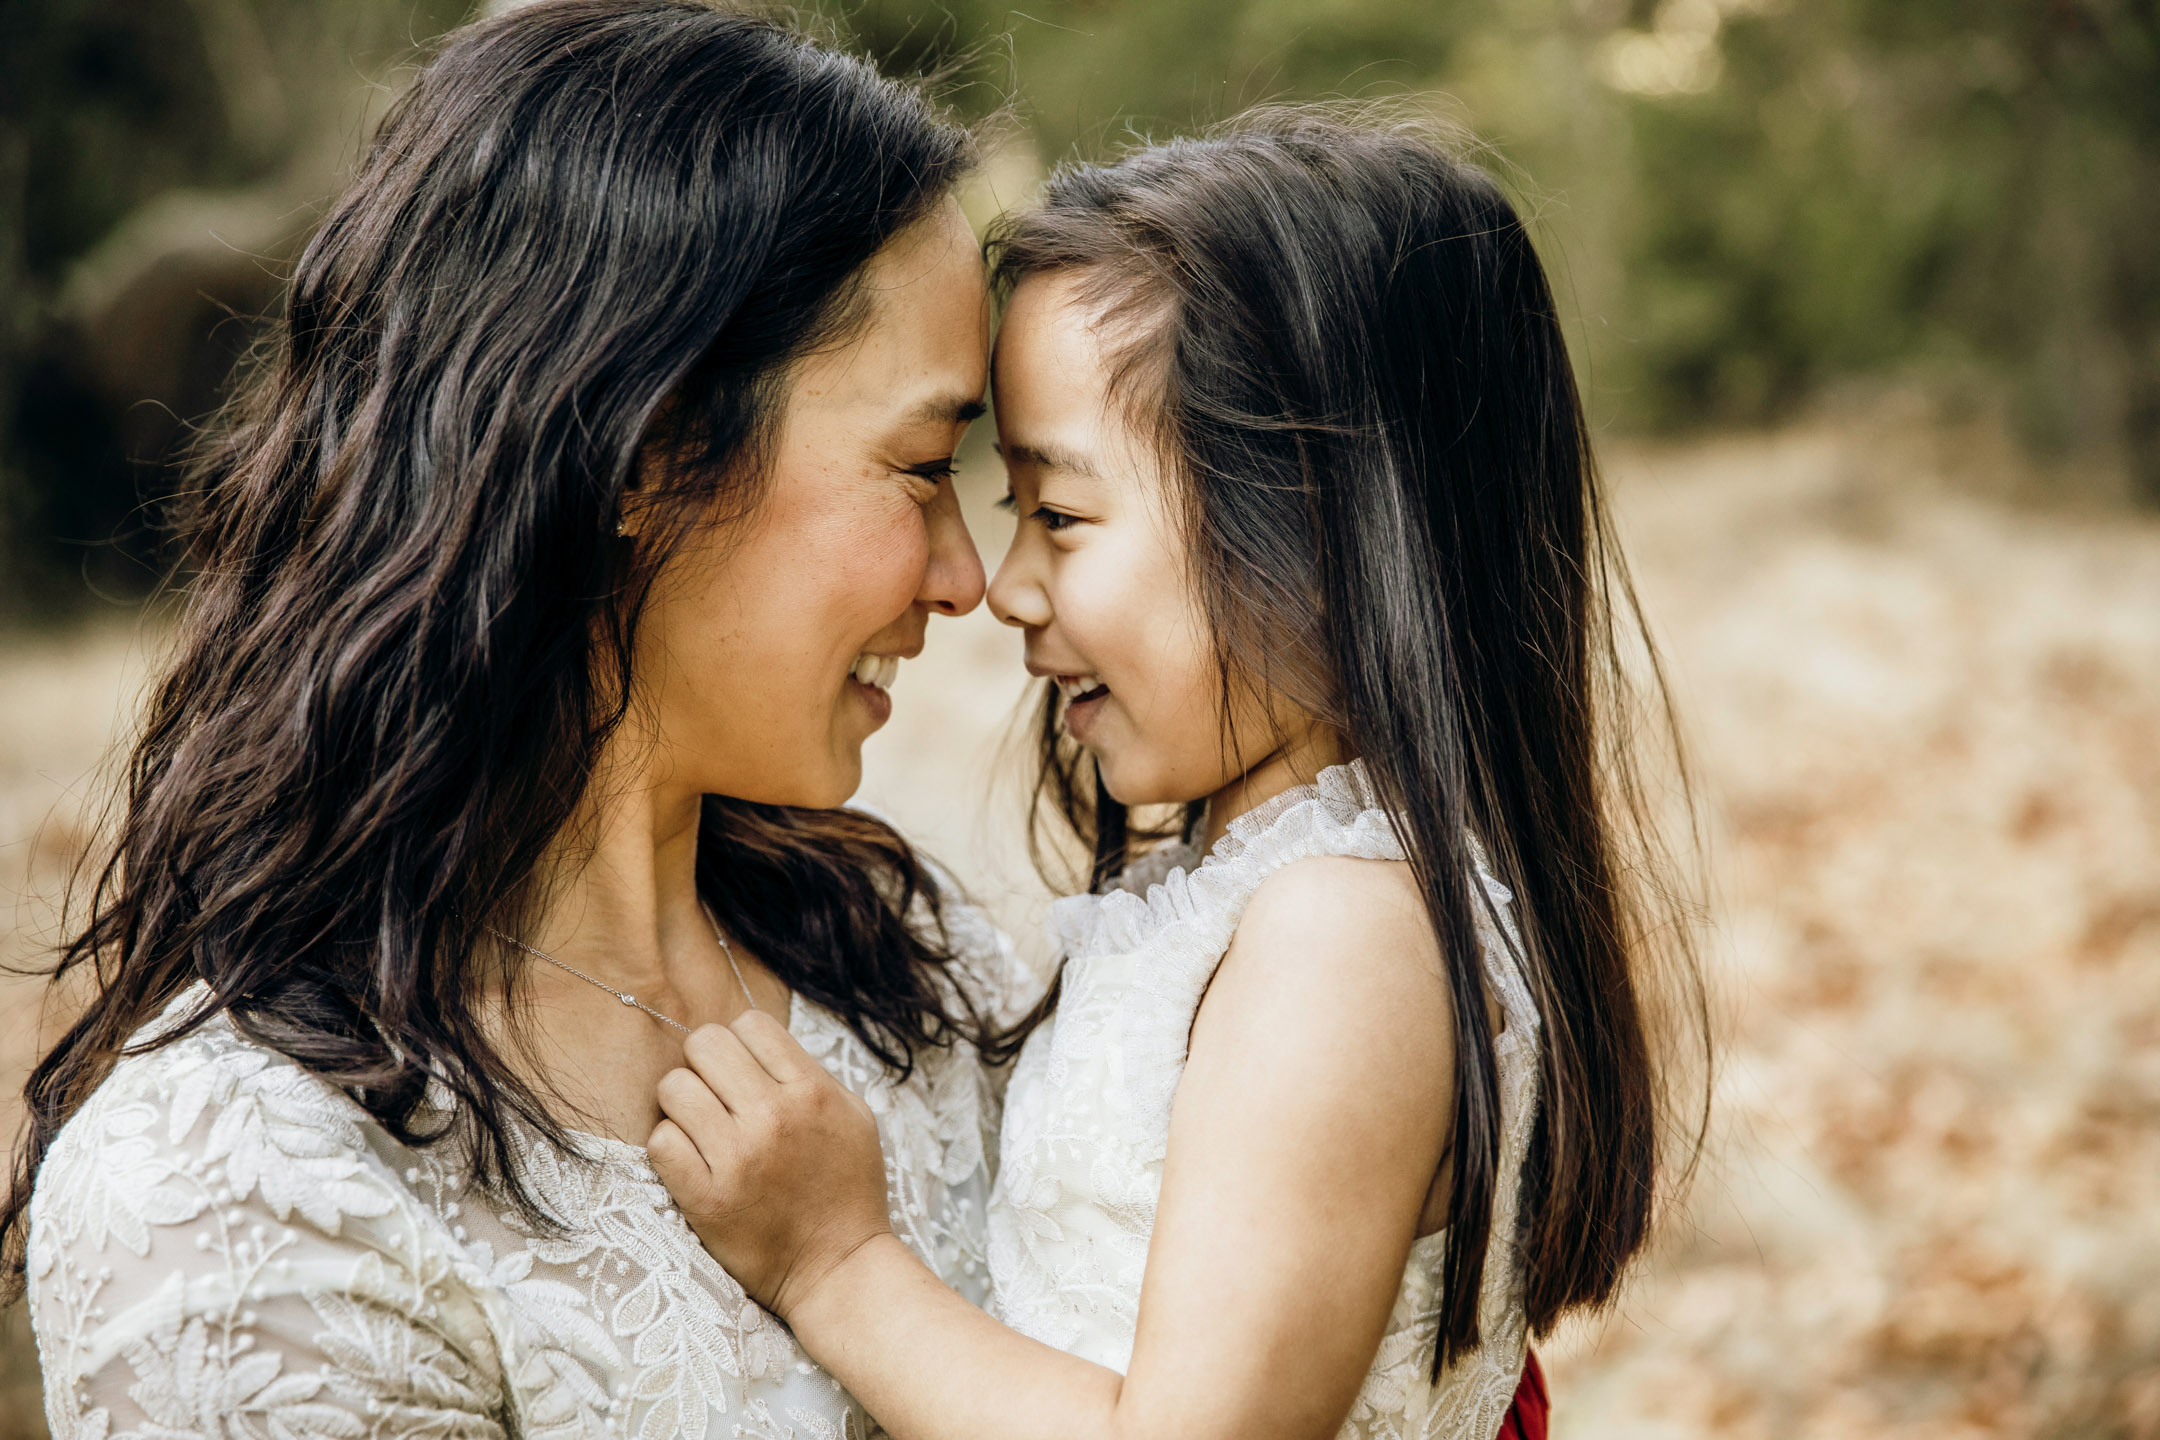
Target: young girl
x,y
1349,1089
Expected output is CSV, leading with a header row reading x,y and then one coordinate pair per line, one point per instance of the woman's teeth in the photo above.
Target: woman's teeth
x,y
1077,687
877,671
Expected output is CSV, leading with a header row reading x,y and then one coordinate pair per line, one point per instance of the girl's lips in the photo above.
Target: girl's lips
x,y
875,700
1080,712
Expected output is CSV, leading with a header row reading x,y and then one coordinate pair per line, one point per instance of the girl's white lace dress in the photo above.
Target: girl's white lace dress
x,y
224,1245
1087,1115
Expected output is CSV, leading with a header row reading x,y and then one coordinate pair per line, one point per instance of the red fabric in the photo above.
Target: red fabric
x,y
1527,1416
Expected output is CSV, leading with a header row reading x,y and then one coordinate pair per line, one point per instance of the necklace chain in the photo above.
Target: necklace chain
x,y
625,996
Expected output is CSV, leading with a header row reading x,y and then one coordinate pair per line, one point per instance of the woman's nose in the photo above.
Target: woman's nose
x,y
953,583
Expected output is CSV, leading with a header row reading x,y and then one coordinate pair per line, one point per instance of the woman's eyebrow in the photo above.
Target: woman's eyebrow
x,y
1048,457
952,409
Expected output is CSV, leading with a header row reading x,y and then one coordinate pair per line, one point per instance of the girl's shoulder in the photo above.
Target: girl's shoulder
x,y
1293,857
1174,900
1334,940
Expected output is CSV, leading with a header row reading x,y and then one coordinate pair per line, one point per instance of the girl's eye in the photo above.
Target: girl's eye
x,y
1043,515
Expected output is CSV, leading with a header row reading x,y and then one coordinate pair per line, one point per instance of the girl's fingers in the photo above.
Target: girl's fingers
x,y
675,1156
724,1063
696,1113
778,1052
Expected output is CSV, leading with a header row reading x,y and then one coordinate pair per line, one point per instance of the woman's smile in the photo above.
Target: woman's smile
x,y
871,682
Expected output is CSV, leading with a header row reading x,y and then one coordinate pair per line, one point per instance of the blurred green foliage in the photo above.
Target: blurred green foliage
x,y
1746,202
1966,188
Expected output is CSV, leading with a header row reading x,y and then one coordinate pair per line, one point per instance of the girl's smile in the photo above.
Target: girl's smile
x,y
1097,577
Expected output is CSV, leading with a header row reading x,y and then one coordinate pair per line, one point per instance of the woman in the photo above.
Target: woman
x,y
552,573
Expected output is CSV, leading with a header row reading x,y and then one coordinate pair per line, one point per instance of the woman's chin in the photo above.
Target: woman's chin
x,y
804,780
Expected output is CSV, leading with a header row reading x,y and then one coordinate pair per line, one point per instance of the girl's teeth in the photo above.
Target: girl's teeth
x,y
1074,686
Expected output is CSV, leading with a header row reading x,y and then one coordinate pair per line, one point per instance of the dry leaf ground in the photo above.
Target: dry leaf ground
x,y
1927,727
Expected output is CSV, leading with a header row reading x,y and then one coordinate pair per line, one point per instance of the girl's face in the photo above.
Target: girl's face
x,y
768,646
1097,574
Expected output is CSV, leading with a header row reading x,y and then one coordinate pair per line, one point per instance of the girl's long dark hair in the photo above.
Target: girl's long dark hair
x,y
589,226
1342,342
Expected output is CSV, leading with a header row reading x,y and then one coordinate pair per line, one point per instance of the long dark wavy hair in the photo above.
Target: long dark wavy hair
x,y
1343,345
589,226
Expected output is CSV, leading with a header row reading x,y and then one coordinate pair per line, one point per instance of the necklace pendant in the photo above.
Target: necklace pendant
x,y
627,999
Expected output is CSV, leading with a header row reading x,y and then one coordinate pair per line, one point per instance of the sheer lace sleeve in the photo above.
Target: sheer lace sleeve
x,y
1002,985
217,1251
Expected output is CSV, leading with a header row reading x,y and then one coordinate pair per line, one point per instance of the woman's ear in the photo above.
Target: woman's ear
x,y
630,508
654,452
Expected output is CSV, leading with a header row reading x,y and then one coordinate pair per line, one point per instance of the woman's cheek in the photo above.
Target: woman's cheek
x,y
881,562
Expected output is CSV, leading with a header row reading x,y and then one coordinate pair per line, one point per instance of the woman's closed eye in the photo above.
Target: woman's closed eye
x,y
927,481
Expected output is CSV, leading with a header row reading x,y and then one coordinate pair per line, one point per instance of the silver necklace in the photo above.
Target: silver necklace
x,y
625,996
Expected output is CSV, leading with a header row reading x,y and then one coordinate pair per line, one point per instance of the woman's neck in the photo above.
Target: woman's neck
x,y
621,901
620,904
622,891
1298,761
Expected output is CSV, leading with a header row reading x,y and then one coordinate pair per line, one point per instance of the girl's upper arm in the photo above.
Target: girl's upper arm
x,y
1311,1117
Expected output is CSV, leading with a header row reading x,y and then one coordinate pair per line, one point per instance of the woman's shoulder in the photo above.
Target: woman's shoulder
x,y
214,1222
195,1117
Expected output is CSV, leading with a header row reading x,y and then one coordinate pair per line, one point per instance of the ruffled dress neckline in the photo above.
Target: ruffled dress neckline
x,y
1339,813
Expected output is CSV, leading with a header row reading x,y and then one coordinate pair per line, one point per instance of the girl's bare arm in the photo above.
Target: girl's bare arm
x,y
1309,1122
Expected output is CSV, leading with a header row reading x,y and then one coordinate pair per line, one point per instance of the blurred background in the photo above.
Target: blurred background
x,y
1866,302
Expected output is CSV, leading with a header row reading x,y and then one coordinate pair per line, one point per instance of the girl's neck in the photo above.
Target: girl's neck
x,y
1298,762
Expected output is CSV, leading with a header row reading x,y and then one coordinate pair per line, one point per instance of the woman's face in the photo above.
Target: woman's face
x,y
768,648
1097,575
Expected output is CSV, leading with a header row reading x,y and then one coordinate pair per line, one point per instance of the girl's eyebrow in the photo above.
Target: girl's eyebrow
x,y
1048,457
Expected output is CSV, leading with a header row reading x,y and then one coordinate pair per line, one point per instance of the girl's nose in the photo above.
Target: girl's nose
x,y
1017,596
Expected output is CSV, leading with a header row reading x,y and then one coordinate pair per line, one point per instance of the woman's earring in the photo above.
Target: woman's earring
x,y
622,527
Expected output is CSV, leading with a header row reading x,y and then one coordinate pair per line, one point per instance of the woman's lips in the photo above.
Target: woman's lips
x,y
875,700
871,678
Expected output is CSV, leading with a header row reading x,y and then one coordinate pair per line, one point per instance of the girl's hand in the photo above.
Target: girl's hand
x,y
775,1164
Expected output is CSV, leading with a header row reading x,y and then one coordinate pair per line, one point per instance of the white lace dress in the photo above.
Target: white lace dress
x,y
1087,1116
224,1245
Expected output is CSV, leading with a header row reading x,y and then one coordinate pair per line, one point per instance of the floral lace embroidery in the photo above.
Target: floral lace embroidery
x,y
1087,1115
224,1245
